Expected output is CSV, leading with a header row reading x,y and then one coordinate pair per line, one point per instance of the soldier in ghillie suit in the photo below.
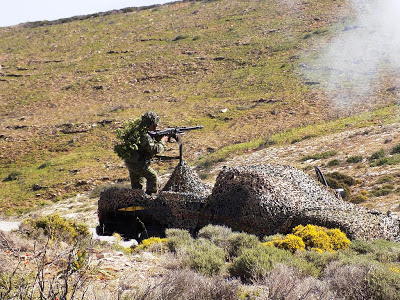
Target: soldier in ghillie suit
x,y
137,148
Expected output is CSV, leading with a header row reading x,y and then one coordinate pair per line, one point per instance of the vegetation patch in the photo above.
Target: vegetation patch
x,y
311,237
354,159
322,155
55,227
153,244
14,175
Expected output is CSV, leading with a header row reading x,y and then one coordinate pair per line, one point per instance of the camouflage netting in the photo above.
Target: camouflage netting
x,y
115,198
260,199
185,180
268,199
179,210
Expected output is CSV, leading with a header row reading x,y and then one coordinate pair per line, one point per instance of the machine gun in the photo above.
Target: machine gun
x,y
175,133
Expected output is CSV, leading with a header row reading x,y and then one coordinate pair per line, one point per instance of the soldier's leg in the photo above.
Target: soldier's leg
x,y
152,180
137,180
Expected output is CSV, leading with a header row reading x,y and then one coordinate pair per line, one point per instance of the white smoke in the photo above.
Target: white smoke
x,y
357,59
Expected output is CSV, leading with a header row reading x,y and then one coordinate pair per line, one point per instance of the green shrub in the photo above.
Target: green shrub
x,y
377,155
342,178
257,262
395,149
382,251
382,191
44,165
319,155
238,242
177,238
360,198
354,159
180,37
204,257
153,244
385,179
14,175
337,180
384,283
219,235
393,160
334,162
361,247
55,227
319,261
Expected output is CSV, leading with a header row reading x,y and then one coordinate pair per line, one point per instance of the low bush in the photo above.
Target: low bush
x,y
180,37
354,159
392,160
334,162
12,176
377,155
153,244
322,155
219,235
188,285
291,242
395,149
384,283
385,179
177,238
337,180
321,238
348,281
257,262
284,282
360,198
238,242
382,191
55,227
204,257
319,261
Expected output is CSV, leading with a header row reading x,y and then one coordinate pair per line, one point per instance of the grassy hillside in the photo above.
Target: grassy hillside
x,y
231,66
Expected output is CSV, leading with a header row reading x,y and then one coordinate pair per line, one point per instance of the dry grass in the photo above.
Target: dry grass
x,y
188,285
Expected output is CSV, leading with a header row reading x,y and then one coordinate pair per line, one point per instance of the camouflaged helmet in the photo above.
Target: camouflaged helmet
x,y
150,118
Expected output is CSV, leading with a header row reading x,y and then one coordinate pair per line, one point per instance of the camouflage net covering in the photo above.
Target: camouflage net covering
x,y
259,199
185,180
115,198
268,199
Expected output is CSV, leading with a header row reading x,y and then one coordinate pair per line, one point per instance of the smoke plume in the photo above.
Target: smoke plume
x,y
358,59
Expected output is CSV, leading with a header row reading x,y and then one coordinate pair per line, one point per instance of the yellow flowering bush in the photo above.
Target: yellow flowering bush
x,y
56,227
153,244
316,237
291,242
339,239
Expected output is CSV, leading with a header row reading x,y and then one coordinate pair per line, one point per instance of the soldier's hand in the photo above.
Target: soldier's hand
x,y
164,138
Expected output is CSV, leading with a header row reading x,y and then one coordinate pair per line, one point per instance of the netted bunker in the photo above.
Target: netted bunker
x,y
259,199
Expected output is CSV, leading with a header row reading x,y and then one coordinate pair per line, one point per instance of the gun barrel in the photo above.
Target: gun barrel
x,y
173,131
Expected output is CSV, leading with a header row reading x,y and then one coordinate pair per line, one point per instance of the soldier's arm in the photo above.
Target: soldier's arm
x,y
152,146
